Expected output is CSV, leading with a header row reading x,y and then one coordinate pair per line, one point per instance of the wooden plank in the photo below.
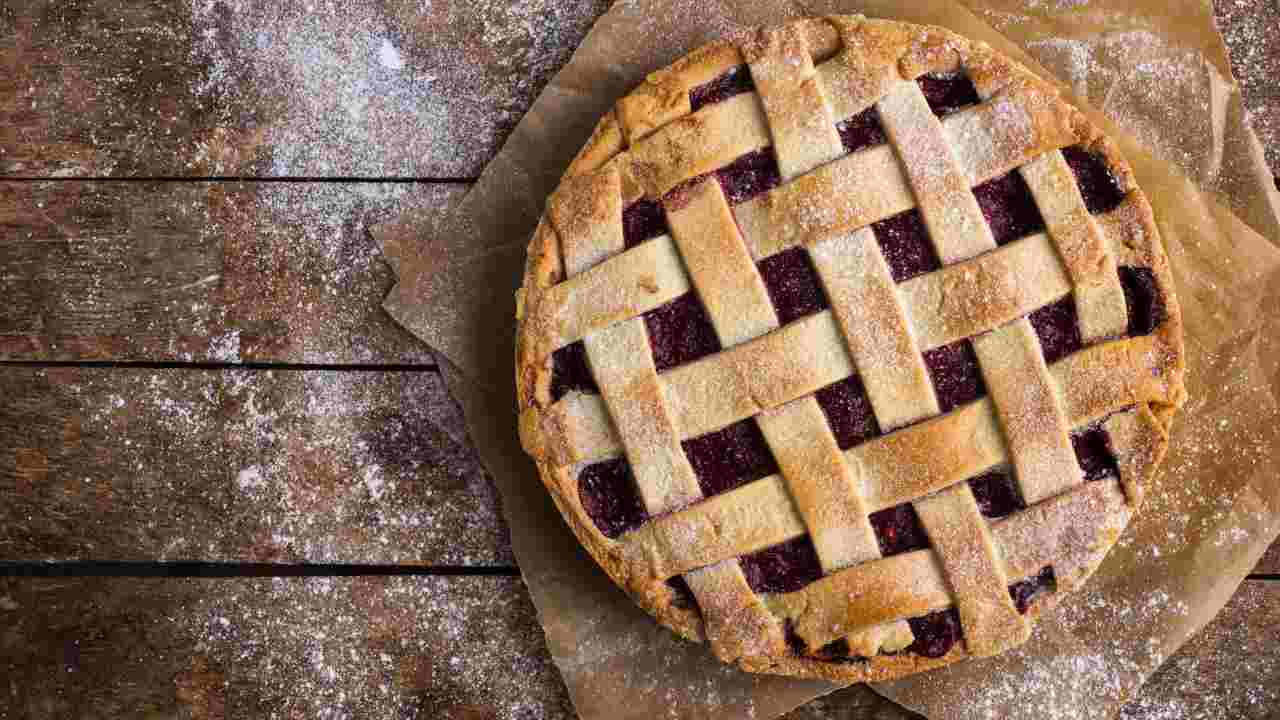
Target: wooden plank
x,y
240,465
255,87
463,648
1249,29
203,271
396,88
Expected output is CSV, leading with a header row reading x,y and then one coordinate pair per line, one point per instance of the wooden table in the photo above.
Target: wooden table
x,y
230,486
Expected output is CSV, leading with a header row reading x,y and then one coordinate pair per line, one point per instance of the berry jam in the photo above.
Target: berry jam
x,y
861,131
730,457
1098,185
1097,460
848,411
956,377
793,284
748,176
782,568
642,220
936,633
904,241
997,494
898,529
608,494
1058,328
948,92
569,371
683,596
680,332
734,82
1009,208
1142,296
1025,591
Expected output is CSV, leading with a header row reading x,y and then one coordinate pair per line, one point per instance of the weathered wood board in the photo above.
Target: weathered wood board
x,y
240,465
428,647
203,271
150,88
336,88
461,648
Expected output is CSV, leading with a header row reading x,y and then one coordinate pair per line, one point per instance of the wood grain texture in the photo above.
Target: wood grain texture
x,y
240,465
369,88
373,648
1249,28
203,271
427,647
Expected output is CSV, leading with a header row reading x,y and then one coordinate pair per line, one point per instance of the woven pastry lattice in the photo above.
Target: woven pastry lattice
x,y
830,329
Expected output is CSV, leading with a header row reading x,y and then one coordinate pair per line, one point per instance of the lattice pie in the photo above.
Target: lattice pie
x,y
848,348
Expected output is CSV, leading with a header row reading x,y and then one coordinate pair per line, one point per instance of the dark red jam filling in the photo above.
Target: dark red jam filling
x,y
793,284
642,220
729,457
948,92
569,371
608,493
1142,296
997,494
1058,328
782,568
1025,591
898,529
1099,186
956,377
861,131
848,411
904,241
838,652
1009,207
794,641
734,82
680,332
1094,453
936,633
682,596
749,175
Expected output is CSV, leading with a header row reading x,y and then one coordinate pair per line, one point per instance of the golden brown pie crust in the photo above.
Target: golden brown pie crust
x,y
652,142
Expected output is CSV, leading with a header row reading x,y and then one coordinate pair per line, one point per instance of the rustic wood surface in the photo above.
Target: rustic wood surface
x,y
203,271
335,88
208,448
430,647
240,465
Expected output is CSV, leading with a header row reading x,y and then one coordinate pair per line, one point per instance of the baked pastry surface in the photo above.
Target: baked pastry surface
x,y
847,348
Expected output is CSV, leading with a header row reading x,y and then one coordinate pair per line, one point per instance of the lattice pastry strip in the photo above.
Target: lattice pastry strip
x,y
941,187
1099,298
958,533
729,286
1031,416
800,120
865,302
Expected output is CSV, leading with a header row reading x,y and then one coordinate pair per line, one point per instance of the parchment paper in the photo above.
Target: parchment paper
x,y
1207,519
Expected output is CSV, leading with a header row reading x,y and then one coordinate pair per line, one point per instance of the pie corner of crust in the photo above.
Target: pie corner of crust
x,y
847,347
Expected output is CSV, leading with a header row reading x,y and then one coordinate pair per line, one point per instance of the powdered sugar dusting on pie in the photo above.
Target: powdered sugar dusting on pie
x,y
828,478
